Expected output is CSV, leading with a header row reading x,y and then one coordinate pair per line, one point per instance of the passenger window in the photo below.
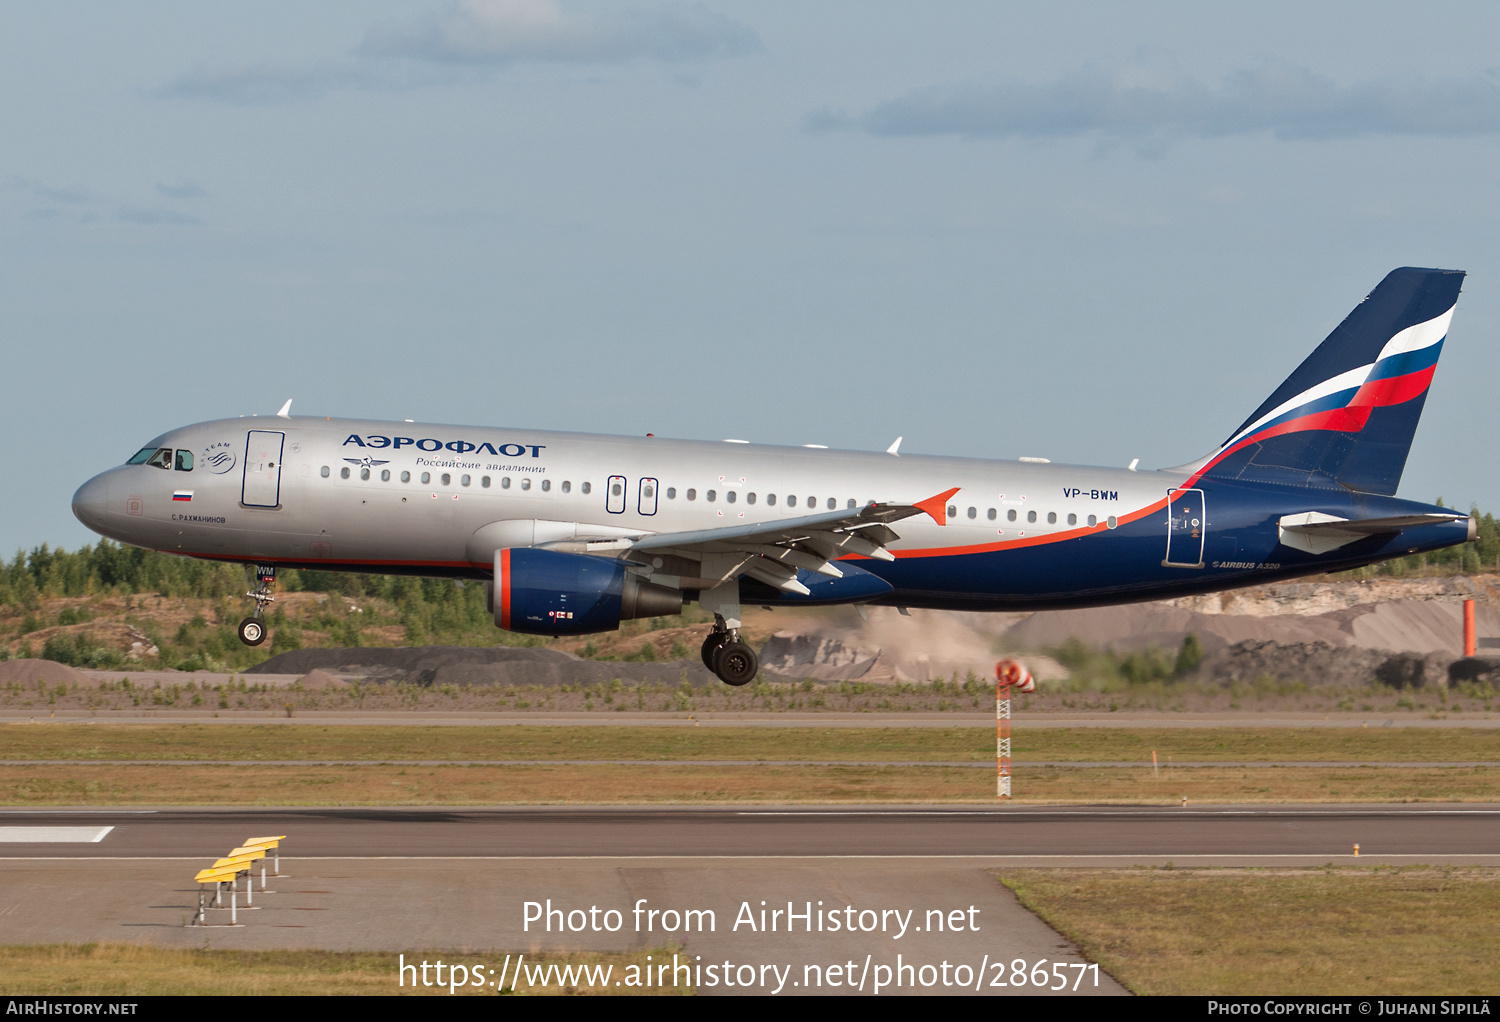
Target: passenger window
x,y
749,498
463,480
546,485
710,496
426,478
385,475
364,473
1093,521
832,503
567,487
184,461
447,479
1010,515
973,512
587,487
323,472
731,496
1051,517
505,482
484,481
1111,521
771,499
692,494
161,459
791,501
851,504
952,511
406,477
671,491
140,456
525,484
1072,519
991,514
1031,516
344,472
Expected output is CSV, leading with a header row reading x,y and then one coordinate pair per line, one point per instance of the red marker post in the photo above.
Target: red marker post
x,y
1008,675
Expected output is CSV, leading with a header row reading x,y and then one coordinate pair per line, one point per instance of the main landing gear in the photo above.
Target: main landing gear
x,y
253,628
728,657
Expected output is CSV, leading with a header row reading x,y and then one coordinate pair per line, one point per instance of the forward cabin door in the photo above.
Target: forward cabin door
x,y
1186,524
262,483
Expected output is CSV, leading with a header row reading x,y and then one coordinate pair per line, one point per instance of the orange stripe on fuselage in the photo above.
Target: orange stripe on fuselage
x,y
1025,541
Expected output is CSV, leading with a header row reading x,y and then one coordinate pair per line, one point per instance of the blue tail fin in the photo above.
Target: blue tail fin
x,y
1346,417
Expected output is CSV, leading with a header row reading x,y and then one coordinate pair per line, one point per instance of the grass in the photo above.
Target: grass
x,y
1346,930
96,741
124,970
388,784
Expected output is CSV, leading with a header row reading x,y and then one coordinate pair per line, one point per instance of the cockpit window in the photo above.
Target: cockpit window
x,y
140,456
162,458
184,461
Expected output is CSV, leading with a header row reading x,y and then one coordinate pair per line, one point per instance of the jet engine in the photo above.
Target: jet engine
x,y
547,592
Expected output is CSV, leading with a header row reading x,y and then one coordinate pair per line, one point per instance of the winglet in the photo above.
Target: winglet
x,y
286,410
895,447
934,505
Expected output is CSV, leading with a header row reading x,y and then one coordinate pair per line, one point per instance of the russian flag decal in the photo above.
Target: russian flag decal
x,y
182,495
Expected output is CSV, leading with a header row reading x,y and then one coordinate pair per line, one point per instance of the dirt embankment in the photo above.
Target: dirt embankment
x,y
463,665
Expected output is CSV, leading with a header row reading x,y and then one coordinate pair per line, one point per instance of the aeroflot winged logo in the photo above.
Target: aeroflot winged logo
x,y
456,446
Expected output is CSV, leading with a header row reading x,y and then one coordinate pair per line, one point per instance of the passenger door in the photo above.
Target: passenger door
x,y
646,502
261,486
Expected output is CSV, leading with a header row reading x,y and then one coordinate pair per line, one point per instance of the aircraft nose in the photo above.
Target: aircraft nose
x,y
91,501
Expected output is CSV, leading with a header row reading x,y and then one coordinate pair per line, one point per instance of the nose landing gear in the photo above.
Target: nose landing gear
x,y
252,630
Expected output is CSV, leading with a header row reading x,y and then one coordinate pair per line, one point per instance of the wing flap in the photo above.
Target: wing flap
x,y
772,552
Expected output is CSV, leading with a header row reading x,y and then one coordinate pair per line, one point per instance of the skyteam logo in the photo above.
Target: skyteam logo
x,y
218,458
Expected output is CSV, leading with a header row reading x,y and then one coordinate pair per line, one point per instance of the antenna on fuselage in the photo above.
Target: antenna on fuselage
x,y
286,410
893,449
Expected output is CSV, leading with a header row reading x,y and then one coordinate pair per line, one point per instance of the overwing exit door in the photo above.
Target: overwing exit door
x,y
262,482
1186,524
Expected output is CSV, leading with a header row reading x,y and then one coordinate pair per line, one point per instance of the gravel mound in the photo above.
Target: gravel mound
x,y
463,665
1319,664
28,671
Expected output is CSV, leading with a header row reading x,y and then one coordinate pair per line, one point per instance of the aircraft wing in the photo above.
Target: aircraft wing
x,y
772,552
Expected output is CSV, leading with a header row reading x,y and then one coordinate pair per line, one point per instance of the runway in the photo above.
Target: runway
x,y
403,880
1082,833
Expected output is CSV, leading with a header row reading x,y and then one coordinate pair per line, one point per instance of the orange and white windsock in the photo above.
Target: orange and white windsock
x,y
1014,674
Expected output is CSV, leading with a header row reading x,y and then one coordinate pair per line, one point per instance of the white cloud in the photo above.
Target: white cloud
x,y
1150,109
510,31
469,40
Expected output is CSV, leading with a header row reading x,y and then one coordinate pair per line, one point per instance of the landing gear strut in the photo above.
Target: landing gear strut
x,y
728,657
253,629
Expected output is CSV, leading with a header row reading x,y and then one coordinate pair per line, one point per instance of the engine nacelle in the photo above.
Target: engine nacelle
x,y
546,592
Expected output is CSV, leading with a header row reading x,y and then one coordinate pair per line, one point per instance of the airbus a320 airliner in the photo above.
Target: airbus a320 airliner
x,y
574,532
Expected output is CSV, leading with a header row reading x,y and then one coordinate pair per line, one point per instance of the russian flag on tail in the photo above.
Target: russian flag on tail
x,y
1345,419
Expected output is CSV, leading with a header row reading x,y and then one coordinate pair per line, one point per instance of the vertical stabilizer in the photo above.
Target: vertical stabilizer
x,y
1346,417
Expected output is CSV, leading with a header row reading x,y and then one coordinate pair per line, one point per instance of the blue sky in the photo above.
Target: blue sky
x,y
1078,231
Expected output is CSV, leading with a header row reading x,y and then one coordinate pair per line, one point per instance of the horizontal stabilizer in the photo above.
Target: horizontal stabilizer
x,y
1317,533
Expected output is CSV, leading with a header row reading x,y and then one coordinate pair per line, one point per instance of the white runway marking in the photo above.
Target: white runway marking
x,y
53,835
